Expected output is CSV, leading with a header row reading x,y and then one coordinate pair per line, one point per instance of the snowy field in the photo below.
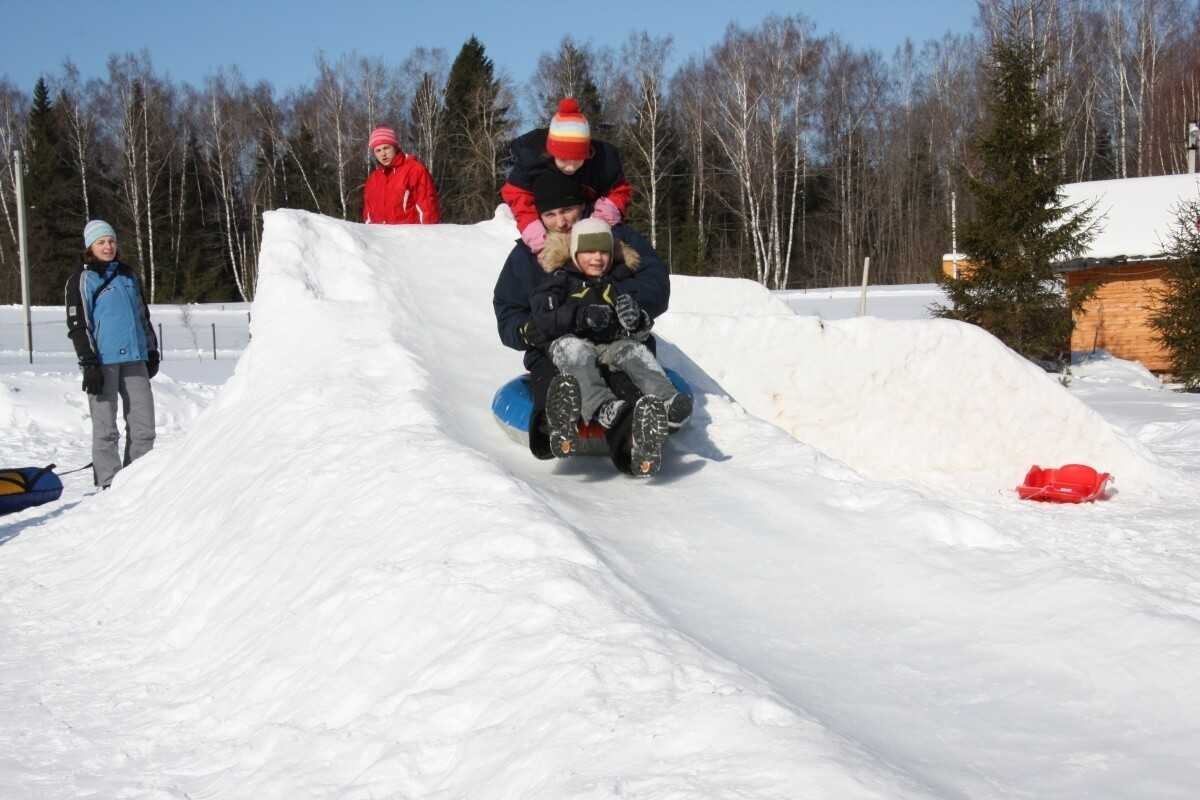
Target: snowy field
x,y
336,577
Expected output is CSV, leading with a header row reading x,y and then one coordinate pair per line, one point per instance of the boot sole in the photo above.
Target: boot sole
x,y
649,433
563,404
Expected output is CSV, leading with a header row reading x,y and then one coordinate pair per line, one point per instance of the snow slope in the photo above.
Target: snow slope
x,y
346,581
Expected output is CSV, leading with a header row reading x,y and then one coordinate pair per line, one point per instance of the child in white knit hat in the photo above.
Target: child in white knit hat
x,y
592,329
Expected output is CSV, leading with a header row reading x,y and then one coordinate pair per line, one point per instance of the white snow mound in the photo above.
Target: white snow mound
x,y
934,402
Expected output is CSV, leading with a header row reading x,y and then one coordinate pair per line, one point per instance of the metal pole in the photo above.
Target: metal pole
x,y
214,330
862,301
23,244
161,347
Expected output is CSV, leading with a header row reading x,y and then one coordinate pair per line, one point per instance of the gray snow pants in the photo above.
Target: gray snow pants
x,y
581,358
131,382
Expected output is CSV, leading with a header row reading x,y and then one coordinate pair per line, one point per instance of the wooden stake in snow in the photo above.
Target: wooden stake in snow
x,y
862,301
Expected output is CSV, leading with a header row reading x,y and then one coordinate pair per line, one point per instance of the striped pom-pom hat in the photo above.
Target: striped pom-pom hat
x,y
382,135
96,229
569,137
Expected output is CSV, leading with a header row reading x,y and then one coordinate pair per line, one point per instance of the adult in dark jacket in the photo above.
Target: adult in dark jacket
x,y
109,324
560,200
568,147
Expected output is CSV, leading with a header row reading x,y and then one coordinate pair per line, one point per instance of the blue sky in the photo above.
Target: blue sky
x,y
278,41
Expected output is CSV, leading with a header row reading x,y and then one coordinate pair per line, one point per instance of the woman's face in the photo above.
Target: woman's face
x,y
567,167
105,248
593,263
384,154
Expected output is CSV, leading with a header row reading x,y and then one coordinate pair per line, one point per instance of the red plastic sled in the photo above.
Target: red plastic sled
x,y
1073,483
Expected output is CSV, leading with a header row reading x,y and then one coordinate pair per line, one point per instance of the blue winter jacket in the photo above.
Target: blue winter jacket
x,y
107,318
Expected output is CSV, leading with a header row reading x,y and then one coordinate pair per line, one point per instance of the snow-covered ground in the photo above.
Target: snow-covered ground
x,y
336,577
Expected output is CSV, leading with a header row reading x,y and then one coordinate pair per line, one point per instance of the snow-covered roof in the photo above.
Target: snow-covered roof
x,y
1135,214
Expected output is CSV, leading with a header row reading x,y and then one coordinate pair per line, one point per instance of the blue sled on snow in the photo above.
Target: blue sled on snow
x,y
513,409
27,487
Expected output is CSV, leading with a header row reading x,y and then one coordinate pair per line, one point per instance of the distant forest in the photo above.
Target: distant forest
x,y
782,154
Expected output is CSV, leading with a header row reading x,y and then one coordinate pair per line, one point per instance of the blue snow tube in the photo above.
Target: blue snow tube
x,y
26,487
513,408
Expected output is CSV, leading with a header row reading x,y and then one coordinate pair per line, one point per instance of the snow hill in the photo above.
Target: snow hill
x,y
345,581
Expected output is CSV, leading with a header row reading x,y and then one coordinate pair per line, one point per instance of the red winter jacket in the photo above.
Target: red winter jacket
x,y
600,176
401,194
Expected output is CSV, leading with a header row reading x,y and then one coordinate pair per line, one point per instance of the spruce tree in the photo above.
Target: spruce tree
x,y
308,174
1020,228
1177,319
468,190
203,272
54,206
569,74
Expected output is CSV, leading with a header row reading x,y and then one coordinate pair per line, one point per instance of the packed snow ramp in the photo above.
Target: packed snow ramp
x,y
346,581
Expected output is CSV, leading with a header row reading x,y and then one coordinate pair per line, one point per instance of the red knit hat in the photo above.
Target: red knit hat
x,y
569,137
382,135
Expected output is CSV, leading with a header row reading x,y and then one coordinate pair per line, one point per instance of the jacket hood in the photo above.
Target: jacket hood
x,y
557,253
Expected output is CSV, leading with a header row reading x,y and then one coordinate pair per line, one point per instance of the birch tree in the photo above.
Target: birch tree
x,y
643,118
80,126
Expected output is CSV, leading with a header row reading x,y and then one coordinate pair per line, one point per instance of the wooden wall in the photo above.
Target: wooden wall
x,y
1117,318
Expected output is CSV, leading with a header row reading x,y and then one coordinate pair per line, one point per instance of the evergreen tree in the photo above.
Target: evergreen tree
x,y
204,275
1020,229
54,207
1104,164
475,118
1177,320
309,182
569,74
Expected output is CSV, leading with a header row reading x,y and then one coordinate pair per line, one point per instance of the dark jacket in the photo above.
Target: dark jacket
x,y
600,176
522,274
556,302
107,318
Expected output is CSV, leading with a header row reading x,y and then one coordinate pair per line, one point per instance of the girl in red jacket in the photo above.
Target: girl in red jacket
x,y
399,191
567,145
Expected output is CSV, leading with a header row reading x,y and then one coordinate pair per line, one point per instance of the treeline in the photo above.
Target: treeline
x,y
780,154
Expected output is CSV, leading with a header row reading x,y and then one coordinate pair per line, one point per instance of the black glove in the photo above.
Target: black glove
x,y
93,376
152,363
594,318
532,335
629,313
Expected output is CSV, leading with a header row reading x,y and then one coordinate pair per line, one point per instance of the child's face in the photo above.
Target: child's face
x,y
567,167
105,248
384,154
593,263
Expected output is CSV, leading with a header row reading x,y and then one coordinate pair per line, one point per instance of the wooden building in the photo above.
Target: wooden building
x,y
1127,262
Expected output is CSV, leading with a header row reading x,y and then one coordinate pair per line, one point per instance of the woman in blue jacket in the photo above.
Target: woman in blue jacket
x,y
109,324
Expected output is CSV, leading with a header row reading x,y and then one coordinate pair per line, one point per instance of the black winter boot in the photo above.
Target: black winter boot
x,y
649,431
679,409
563,404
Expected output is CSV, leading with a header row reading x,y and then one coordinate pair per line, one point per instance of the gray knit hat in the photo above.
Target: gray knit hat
x,y
591,235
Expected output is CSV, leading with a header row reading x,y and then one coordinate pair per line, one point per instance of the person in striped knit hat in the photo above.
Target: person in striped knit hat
x,y
568,147
400,190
